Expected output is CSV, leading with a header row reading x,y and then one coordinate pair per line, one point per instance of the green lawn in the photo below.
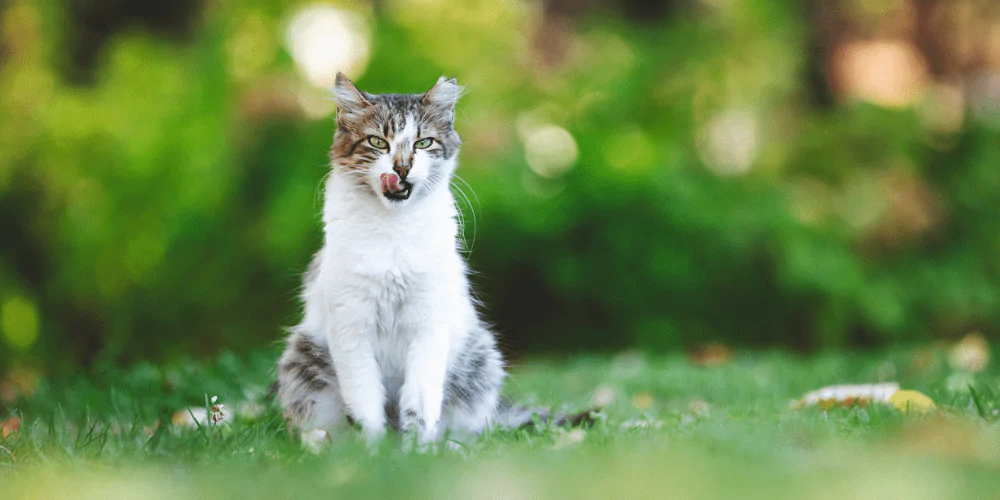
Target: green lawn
x,y
673,429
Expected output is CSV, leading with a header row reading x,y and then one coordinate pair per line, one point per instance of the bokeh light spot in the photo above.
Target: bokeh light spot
x,y
630,150
550,150
729,144
943,110
19,322
890,73
315,103
252,47
324,40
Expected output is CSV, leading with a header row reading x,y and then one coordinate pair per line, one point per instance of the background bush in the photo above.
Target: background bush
x,y
650,176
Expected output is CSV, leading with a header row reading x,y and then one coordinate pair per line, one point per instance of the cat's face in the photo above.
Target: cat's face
x,y
401,146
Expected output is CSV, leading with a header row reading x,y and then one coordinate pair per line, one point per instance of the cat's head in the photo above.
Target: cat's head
x,y
401,146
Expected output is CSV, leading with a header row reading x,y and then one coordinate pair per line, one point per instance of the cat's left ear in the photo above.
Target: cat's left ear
x,y
443,95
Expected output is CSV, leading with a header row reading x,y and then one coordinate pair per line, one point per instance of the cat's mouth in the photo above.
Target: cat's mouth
x,y
395,188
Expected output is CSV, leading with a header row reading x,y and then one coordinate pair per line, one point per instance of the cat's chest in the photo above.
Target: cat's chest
x,y
394,257
386,271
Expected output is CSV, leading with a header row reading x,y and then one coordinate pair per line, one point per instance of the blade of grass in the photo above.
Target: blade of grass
x,y
978,402
198,426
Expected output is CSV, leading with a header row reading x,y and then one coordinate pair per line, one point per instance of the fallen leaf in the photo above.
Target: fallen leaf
x,y
906,401
711,355
847,395
19,383
10,426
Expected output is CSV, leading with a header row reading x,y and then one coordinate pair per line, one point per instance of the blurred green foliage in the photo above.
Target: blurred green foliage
x,y
169,206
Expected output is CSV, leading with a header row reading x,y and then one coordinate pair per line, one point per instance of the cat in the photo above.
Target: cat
x,y
391,334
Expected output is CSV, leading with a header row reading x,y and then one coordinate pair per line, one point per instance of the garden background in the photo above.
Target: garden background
x,y
652,175
686,215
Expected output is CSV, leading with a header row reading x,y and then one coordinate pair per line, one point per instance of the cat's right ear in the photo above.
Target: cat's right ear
x,y
350,100
443,96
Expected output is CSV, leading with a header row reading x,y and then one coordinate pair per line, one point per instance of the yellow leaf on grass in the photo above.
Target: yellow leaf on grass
x,y
912,401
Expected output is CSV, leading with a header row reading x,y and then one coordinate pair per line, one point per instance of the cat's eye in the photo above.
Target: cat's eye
x,y
423,143
378,142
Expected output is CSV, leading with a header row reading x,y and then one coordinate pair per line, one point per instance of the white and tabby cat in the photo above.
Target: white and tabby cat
x,y
391,335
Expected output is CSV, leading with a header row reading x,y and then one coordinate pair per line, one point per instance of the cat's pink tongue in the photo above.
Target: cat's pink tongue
x,y
390,183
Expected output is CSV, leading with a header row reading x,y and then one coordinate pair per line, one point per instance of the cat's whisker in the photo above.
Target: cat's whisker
x,y
461,220
321,188
475,222
474,195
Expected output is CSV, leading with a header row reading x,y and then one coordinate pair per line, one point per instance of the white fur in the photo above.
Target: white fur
x,y
391,296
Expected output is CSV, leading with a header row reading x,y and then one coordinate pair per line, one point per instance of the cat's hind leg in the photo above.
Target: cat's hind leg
x,y
307,385
472,386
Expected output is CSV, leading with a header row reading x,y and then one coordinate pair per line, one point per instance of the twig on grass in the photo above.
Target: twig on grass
x,y
11,453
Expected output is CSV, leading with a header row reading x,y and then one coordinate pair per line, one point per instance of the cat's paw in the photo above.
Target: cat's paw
x,y
373,437
411,421
416,429
316,440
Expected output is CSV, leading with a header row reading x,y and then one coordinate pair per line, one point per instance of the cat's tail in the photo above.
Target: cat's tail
x,y
512,416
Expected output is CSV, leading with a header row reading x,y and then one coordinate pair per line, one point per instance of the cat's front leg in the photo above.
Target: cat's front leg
x,y
422,393
350,339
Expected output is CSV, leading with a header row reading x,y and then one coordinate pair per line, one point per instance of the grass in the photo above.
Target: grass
x,y
673,429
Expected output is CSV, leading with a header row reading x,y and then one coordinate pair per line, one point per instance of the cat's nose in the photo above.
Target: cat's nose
x,y
402,168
